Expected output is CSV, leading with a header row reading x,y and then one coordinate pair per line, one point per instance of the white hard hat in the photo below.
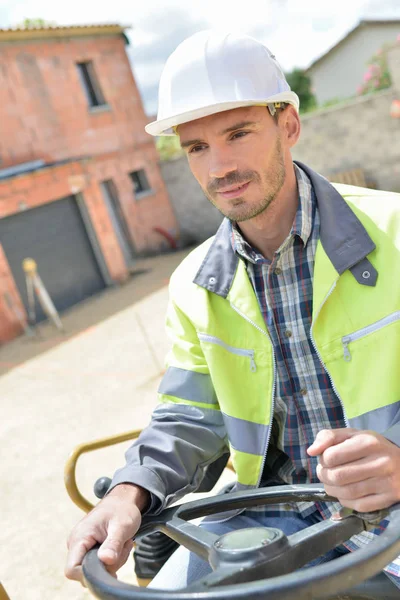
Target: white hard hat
x,y
210,72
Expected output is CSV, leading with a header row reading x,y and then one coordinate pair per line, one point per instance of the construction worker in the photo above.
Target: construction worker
x,y
285,326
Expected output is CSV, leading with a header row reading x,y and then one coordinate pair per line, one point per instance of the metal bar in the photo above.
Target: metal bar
x,y
70,466
193,537
3,594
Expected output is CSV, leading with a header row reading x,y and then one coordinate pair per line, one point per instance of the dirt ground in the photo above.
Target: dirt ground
x,y
57,391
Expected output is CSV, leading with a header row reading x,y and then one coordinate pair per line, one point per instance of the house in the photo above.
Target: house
x,y
339,72
80,187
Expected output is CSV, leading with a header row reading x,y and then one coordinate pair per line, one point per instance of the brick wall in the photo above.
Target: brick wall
x,y
44,115
359,133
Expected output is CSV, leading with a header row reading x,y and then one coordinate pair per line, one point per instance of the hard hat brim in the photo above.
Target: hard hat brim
x,y
165,126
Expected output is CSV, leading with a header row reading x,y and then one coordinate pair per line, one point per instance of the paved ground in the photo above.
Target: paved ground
x,y
99,379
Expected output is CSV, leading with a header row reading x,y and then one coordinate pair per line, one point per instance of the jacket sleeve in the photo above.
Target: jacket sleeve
x,y
186,432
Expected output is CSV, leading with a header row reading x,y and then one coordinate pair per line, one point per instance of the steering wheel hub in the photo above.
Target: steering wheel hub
x,y
250,544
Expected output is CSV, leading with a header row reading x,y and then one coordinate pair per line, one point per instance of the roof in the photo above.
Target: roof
x,y
362,24
40,33
34,166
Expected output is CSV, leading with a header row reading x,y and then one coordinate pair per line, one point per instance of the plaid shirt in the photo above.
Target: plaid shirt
x,y
305,401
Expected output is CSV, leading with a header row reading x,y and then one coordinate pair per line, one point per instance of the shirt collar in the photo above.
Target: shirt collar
x,y
302,224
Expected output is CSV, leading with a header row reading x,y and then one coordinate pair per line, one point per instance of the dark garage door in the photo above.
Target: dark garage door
x,y
55,236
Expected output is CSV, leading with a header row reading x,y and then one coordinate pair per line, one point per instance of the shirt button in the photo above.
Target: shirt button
x,y
288,333
303,391
278,271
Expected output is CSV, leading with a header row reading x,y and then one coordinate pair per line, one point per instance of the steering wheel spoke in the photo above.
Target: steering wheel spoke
x,y
317,540
194,538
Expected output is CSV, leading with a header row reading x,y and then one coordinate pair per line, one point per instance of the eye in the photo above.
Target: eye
x,y
196,149
239,134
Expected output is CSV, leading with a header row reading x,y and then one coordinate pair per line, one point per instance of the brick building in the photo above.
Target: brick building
x,y
80,187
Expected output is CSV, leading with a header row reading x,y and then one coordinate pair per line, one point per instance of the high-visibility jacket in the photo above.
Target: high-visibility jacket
x,y
218,391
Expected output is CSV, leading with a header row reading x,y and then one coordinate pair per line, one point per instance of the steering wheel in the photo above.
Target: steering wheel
x,y
258,562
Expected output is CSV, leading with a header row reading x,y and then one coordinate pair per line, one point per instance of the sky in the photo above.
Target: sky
x,y
296,31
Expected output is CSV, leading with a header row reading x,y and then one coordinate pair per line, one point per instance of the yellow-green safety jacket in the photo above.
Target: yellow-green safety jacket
x,y
218,390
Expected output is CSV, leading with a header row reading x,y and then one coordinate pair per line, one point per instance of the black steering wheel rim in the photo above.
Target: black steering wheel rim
x,y
335,576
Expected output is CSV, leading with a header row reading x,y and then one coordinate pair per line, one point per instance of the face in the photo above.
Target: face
x,y
238,158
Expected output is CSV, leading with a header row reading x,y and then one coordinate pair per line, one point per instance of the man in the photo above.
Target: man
x,y
285,326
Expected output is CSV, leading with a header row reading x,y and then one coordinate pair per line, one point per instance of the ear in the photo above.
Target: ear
x,y
290,123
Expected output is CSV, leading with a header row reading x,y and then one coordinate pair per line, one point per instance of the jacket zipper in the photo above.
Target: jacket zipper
x,y
232,349
360,333
320,357
273,387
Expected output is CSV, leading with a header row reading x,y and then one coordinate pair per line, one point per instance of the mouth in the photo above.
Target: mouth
x,y
234,192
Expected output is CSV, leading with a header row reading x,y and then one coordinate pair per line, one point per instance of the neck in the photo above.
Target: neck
x,y
268,231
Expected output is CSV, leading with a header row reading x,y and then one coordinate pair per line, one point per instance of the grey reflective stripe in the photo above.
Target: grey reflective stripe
x,y
246,436
239,487
188,385
379,420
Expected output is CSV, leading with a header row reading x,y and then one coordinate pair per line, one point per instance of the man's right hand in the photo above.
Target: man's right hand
x,y
112,523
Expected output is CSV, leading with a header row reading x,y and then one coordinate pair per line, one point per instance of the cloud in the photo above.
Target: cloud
x,y
163,40
153,42
389,9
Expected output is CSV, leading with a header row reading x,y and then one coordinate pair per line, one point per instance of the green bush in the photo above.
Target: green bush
x,y
300,83
169,147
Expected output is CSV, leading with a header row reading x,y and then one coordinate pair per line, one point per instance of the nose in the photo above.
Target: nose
x,y
221,163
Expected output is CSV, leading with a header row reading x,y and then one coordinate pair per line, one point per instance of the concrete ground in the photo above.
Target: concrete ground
x,y
98,379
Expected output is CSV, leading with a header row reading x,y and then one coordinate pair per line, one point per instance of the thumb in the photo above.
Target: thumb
x,y
329,437
111,549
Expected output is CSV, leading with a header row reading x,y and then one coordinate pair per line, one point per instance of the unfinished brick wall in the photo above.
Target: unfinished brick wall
x,y
45,113
45,116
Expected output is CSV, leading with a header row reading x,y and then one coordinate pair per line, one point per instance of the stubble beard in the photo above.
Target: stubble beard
x,y
273,183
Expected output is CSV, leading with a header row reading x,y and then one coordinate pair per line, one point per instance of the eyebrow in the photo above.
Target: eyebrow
x,y
235,127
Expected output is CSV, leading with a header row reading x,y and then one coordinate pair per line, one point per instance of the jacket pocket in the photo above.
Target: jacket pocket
x,y
203,337
360,333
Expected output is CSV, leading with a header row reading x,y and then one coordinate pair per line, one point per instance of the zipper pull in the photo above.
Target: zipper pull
x,y
346,351
253,366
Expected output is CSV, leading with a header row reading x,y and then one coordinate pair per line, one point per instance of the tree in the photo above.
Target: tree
x,y
168,147
35,24
301,84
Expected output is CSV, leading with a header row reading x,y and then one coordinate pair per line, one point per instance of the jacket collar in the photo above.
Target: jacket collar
x,y
343,237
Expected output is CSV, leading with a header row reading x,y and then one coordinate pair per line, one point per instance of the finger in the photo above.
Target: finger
x,y
75,556
329,437
360,470
76,574
369,503
123,557
354,491
119,532
352,449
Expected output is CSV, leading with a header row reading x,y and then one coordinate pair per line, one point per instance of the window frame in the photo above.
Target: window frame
x,y
147,189
90,84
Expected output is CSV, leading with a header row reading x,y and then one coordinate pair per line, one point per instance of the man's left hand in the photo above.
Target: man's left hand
x,y
359,468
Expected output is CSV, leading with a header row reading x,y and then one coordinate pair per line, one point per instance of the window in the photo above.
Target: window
x,y
140,183
90,84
